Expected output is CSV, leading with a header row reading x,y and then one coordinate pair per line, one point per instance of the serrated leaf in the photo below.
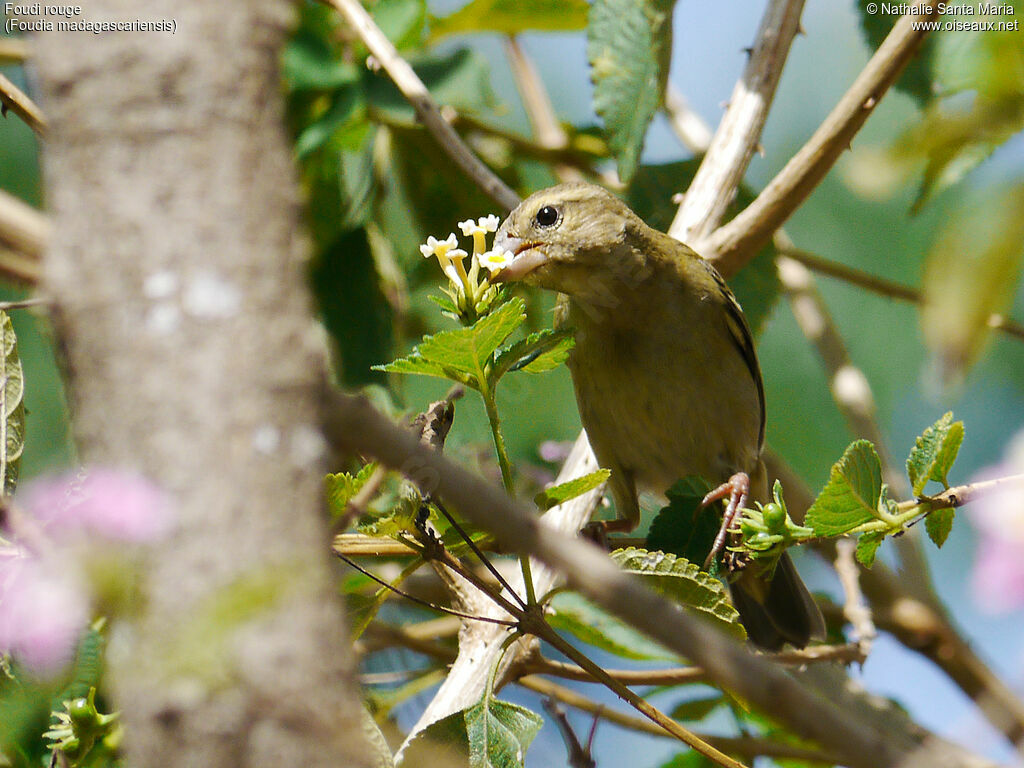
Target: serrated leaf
x,y
852,494
469,349
697,709
682,581
683,527
593,625
971,273
539,352
12,407
934,453
938,524
490,734
463,354
916,80
511,17
867,546
629,47
558,494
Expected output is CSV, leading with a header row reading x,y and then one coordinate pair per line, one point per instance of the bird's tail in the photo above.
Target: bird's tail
x,y
778,609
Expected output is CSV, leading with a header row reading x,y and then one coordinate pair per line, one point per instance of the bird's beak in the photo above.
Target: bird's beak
x,y
528,256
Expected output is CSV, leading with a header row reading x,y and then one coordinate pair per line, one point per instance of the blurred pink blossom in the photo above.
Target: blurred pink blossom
x,y
998,577
44,602
42,612
108,503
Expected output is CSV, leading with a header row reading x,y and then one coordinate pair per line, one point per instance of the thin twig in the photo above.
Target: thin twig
x,y
686,124
963,494
22,227
535,664
748,748
18,267
17,101
735,243
714,186
7,306
855,609
409,83
881,286
419,601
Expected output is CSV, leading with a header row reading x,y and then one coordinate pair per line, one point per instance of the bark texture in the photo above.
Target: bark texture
x,y
192,358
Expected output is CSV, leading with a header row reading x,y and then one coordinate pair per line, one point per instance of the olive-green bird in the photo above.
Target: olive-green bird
x,y
666,375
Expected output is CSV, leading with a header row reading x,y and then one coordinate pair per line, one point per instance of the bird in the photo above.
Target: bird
x,y
665,371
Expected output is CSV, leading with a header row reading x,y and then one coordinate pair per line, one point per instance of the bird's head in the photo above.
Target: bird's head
x,y
575,238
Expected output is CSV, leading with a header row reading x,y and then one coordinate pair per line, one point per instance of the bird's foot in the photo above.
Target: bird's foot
x,y
736,489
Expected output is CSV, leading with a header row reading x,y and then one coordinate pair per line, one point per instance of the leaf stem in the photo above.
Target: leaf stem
x,y
506,475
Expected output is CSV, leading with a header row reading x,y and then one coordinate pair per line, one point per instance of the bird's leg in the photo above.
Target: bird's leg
x,y
737,488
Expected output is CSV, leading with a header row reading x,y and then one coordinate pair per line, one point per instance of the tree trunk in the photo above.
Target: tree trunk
x,y
192,358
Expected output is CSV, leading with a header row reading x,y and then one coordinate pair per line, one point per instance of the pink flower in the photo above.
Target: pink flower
x,y
42,612
998,577
108,503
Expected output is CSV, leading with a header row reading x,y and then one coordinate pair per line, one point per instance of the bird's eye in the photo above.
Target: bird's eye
x,y
547,216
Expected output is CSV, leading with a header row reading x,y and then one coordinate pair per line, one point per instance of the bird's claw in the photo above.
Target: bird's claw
x,y
736,489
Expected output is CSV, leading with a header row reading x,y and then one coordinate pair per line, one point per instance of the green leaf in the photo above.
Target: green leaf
x,y
511,17
683,527
416,365
378,743
934,453
490,734
682,581
342,486
970,274
697,709
12,394
352,306
593,625
402,21
557,494
757,285
309,63
938,524
867,546
499,733
917,78
347,106
460,79
852,494
629,47
539,352
470,349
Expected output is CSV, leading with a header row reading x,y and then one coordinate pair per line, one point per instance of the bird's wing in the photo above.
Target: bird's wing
x,y
743,338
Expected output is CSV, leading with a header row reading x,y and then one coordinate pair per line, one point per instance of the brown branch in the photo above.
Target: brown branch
x,y
353,422
714,186
881,286
13,50
535,664
735,243
409,83
17,101
746,747
960,495
855,610
23,229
